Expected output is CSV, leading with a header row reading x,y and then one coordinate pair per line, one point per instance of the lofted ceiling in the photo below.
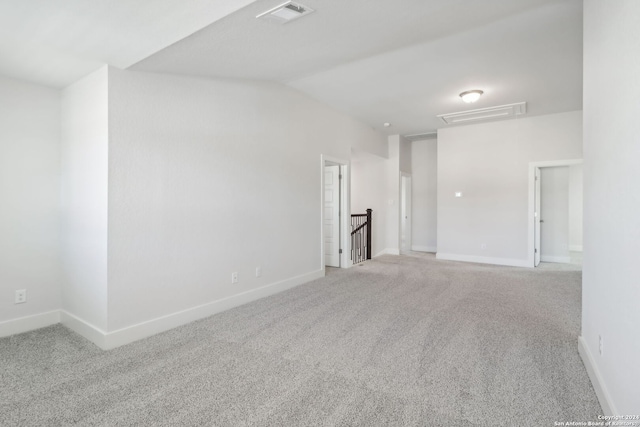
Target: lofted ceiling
x,y
534,57
381,61
56,42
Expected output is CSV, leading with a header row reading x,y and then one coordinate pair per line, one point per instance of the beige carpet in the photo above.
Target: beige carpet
x,y
399,341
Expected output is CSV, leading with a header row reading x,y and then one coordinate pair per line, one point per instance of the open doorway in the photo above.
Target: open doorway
x,y
556,212
335,210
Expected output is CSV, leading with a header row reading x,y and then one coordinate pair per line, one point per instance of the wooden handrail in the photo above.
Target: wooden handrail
x,y
363,225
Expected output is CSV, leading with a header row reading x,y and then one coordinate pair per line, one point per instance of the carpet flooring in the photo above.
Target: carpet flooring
x,y
397,341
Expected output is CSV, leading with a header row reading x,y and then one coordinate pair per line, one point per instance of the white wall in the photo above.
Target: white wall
x,y
611,277
424,166
554,211
575,207
29,198
405,155
84,198
368,176
489,163
210,177
392,195
404,243
406,215
399,161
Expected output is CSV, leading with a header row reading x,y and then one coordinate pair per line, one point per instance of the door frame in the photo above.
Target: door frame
x,y
531,240
403,198
537,232
345,210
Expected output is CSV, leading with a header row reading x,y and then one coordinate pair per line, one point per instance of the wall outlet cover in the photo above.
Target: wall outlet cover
x,y
21,296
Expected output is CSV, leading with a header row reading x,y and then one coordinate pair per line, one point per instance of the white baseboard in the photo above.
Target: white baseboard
x,y
558,259
608,408
29,323
575,248
388,251
483,260
117,338
431,249
84,328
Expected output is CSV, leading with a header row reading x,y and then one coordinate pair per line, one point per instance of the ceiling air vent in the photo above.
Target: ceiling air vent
x,y
499,112
286,12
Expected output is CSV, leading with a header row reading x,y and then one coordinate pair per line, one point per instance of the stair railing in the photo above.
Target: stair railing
x,y
361,237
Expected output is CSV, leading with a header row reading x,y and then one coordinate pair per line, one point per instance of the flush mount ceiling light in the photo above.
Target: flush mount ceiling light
x,y
471,95
286,12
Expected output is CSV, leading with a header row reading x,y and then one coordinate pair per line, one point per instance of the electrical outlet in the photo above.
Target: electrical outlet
x,y
258,271
600,344
483,246
234,277
21,296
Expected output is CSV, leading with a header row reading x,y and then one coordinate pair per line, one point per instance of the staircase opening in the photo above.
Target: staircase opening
x,y
361,237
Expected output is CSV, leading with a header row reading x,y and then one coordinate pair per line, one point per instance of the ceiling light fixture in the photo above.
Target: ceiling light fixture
x,y
471,95
387,125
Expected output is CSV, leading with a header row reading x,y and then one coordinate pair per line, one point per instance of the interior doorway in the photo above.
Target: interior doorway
x,y
335,210
556,212
332,248
405,212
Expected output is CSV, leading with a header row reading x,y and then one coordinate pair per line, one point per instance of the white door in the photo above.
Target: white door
x,y
405,214
537,220
332,216
554,214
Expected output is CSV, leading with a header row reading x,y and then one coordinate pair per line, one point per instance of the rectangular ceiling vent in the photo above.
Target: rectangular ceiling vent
x,y
499,112
286,12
